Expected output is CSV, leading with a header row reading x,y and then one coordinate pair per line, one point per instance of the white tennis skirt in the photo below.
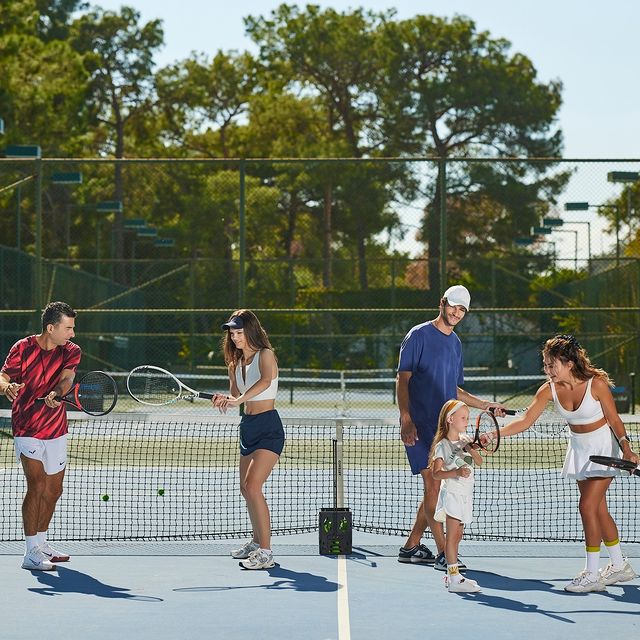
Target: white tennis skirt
x,y
454,505
600,442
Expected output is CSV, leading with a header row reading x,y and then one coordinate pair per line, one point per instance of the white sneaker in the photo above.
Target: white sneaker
x,y
53,555
35,560
259,559
245,550
466,585
585,582
623,573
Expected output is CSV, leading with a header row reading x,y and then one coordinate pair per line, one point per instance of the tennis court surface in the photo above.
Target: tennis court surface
x,y
195,590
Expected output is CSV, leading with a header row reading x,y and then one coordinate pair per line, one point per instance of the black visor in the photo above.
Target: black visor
x,y
236,322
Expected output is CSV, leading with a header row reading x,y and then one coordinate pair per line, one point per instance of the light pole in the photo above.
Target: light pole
x,y
538,232
556,227
585,206
558,222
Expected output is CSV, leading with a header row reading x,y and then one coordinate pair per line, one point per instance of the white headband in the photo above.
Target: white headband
x,y
455,407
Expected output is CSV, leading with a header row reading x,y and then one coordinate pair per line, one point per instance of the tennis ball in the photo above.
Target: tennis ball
x,y
105,498
160,492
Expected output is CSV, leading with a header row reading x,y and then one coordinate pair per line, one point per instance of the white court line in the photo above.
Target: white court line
x,y
344,627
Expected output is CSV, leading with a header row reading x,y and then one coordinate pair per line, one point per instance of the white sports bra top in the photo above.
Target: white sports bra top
x,y
252,374
590,410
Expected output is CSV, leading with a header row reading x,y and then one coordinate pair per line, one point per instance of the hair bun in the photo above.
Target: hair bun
x,y
571,340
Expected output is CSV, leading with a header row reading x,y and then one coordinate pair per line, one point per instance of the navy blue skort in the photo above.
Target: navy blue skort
x,y
261,431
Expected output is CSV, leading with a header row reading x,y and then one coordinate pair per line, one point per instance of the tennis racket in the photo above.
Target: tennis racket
x,y
96,394
155,386
487,436
616,463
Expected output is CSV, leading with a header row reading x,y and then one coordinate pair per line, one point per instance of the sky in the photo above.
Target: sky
x,y
592,48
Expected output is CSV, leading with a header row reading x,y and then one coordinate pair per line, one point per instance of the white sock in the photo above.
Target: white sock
x,y
454,573
615,553
593,559
31,542
42,537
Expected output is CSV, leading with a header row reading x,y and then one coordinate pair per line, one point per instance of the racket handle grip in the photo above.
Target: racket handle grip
x,y
58,398
511,412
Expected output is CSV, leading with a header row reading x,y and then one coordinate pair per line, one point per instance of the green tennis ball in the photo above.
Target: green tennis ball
x,y
160,492
105,498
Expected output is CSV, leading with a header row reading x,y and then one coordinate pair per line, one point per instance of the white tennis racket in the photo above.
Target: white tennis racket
x,y
155,386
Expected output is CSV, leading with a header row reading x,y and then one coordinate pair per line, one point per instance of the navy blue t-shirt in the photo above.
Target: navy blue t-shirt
x,y
435,362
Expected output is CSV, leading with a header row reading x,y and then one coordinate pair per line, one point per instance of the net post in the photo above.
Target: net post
x,y
335,524
338,466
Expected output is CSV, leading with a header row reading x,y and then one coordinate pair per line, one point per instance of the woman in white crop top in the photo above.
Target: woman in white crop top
x,y
582,395
253,381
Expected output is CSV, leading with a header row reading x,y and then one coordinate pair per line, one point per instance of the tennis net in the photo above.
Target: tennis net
x,y
160,476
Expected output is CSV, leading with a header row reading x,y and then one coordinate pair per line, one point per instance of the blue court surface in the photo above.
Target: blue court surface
x,y
193,590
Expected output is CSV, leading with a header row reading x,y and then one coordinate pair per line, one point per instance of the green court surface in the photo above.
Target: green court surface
x,y
195,590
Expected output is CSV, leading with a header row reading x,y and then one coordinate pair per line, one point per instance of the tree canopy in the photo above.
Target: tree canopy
x,y
83,82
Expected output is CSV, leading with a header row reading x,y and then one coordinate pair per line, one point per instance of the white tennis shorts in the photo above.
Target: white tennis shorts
x,y
52,453
600,442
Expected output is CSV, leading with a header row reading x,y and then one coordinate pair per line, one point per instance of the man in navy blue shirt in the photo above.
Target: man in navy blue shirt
x,y
430,372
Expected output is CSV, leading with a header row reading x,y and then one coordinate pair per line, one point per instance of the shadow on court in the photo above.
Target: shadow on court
x,y
507,583
287,579
630,594
67,580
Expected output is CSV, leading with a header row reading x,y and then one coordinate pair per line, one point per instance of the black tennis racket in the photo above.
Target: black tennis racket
x,y
616,463
96,394
155,386
487,436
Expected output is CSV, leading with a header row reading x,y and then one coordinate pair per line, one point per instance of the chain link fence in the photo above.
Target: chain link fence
x,y
339,257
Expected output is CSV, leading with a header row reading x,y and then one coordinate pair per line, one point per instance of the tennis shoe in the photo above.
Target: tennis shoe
x,y
258,559
35,560
245,550
585,582
611,574
53,555
464,586
416,555
440,563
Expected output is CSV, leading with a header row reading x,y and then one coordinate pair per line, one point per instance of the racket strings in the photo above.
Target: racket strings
x,y
486,433
96,393
152,386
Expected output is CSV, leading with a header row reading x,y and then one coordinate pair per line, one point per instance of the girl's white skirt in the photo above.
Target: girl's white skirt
x,y
455,505
600,442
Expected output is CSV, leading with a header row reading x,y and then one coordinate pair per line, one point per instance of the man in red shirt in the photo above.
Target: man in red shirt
x,y
41,366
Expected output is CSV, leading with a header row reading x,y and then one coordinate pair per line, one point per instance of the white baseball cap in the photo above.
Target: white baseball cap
x,y
458,295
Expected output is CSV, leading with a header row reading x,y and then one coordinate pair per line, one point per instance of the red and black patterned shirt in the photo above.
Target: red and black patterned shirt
x,y
40,371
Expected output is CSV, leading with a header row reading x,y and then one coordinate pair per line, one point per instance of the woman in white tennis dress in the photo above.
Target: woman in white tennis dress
x,y
582,394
